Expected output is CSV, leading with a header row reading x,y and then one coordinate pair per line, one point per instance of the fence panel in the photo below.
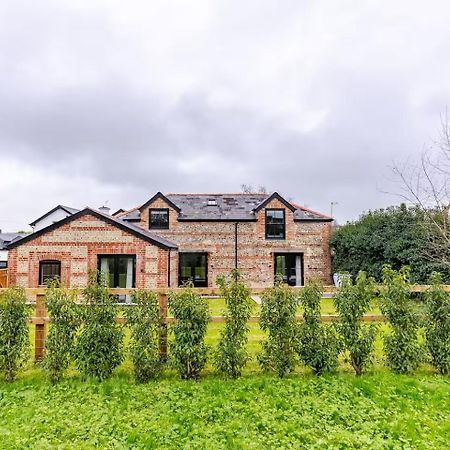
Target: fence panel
x,y
40,320
3,278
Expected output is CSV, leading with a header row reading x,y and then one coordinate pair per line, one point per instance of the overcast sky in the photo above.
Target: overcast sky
x,y
116,100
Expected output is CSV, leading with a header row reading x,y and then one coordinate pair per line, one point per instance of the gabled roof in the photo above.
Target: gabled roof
x,y
159,195
67,209
6,238
275,196
119,211
237,207
130,228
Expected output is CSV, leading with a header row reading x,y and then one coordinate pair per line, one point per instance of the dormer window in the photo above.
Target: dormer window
x,y
158,219
275,224
212,202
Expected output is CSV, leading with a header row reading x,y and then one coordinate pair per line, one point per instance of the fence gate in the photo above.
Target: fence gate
x,y
3,278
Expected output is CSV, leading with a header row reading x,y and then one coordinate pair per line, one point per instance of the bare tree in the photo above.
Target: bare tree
x,y
426,184
246,188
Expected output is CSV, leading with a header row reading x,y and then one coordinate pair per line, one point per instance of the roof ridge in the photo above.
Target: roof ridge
x,y
304,208
219,193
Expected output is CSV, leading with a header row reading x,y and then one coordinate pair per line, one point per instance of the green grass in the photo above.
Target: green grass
x,y
259,411
378,410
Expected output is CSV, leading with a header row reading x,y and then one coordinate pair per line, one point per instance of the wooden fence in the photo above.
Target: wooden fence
x,y
3,278
40,320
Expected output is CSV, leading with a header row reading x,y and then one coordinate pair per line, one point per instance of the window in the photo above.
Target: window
x,y
49,270
158,218
289,266
194,267
119,270
3,264
275,224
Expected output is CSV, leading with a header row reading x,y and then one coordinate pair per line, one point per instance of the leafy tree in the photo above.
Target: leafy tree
x,y
277,318
188,348
352,301
319,345
437,324
59,344
402,348
397,236
231,355
99,344
146,324
14,340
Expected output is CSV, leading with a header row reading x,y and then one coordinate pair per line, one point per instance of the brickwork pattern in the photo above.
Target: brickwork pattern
x,y
77,245
255,252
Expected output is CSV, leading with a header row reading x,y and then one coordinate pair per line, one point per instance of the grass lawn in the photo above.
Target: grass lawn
x,y
378,410
259,411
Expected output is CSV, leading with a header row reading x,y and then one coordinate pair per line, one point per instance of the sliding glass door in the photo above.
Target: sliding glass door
x,y
119,271
194,268
289,266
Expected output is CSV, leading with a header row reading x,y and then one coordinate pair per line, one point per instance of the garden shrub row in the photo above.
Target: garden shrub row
x,y
88,334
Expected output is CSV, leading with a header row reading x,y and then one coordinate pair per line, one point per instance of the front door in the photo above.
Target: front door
x,y
194,268
289,266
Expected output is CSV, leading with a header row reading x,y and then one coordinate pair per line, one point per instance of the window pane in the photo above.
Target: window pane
x,y
49,270
275,223
159,218
193,267
289,266
118,270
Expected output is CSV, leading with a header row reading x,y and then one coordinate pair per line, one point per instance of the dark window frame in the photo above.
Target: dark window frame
x,y
158,227
196,284
116,272
55,262
268,224
292,255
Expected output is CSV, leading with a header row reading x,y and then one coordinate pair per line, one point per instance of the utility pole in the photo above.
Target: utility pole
x,y
332,204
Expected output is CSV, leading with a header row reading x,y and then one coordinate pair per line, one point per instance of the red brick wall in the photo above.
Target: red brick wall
x,y
77,244
255,253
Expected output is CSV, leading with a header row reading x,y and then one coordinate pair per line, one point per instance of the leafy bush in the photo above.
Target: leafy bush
x,y
146,324
14,340
231,355
352,301
188,348
278,308
398,235
318,344
99,344
59,344
438,324
402,348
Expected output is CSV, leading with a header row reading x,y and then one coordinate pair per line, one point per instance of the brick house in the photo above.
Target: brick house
x,y
178,237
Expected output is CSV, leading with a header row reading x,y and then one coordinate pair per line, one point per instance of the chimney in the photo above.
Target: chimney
x,y
104,209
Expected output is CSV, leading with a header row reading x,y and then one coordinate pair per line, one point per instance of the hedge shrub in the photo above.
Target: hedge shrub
x,y
59,344
231,355
352,301
318,344
437,324
99,348
14,339
401,345
277,318
188,349
146,325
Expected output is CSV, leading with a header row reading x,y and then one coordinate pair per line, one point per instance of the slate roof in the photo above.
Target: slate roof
x,y
67,209
126,226
228,207
6,238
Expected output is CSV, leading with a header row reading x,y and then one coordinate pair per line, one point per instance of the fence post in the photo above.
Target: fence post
x,y
39,337
162,299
